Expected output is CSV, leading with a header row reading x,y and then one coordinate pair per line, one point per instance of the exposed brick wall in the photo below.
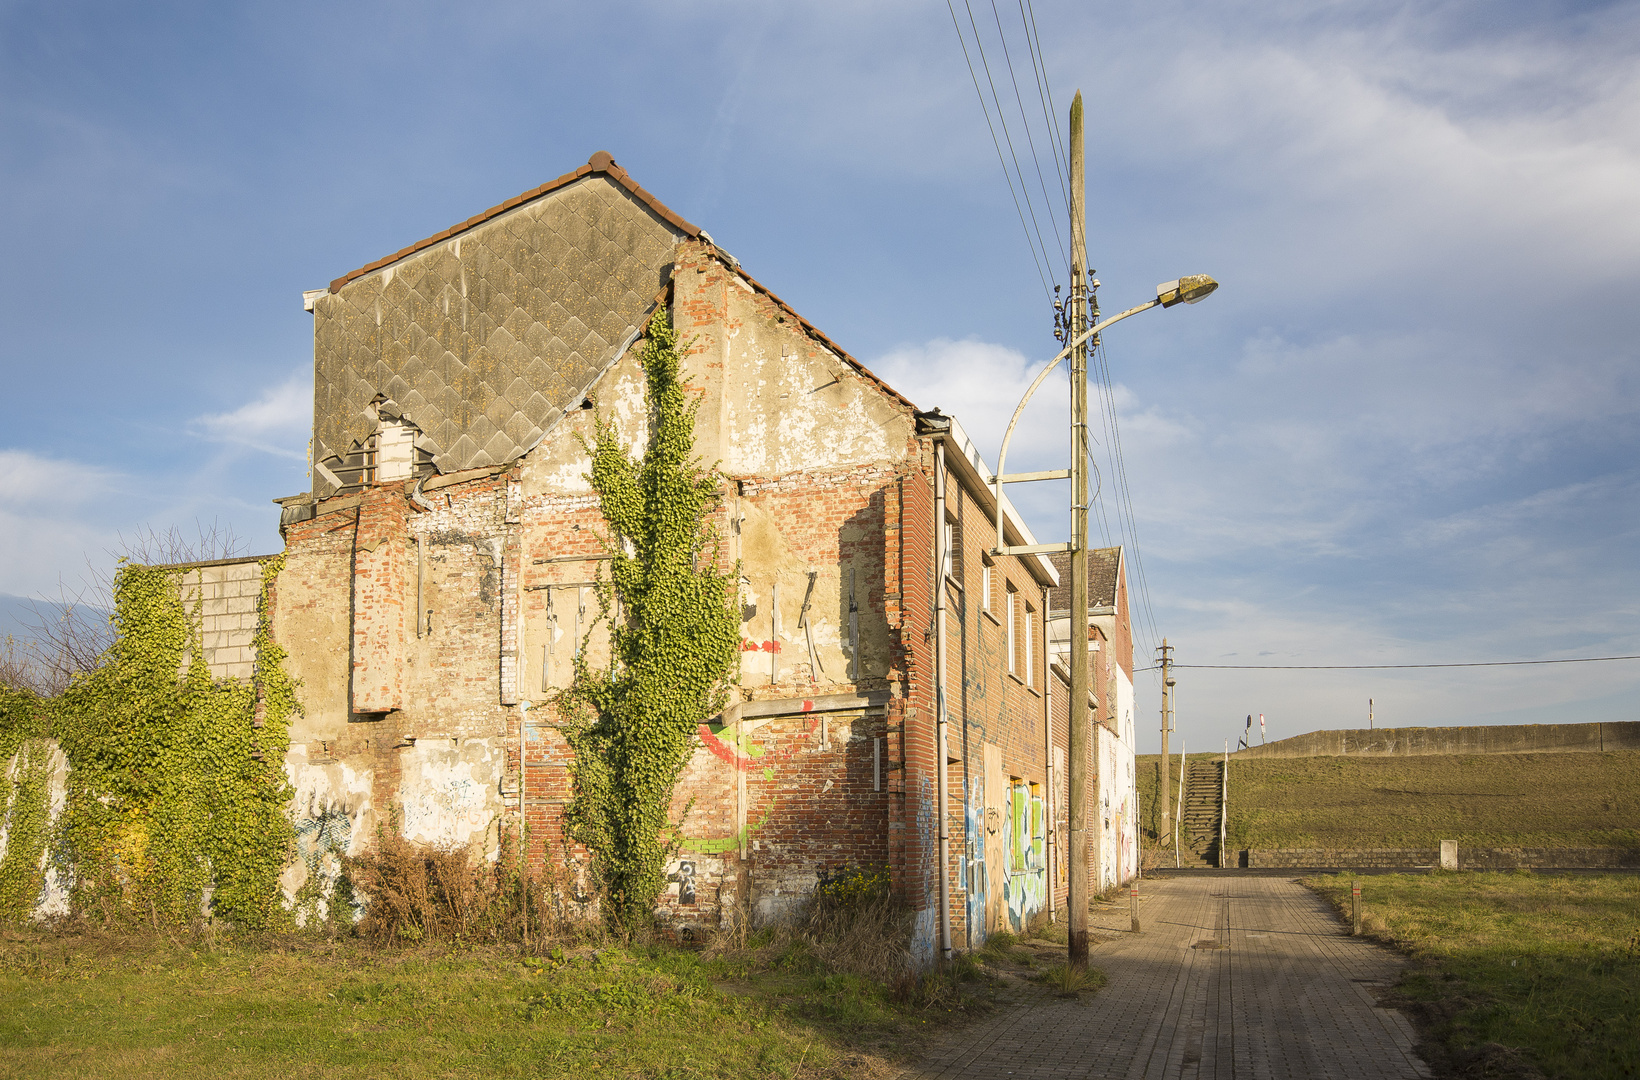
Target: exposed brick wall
x,y
991,705
379,602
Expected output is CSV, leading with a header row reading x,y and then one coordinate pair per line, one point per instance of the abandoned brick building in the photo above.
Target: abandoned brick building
x,y
437,580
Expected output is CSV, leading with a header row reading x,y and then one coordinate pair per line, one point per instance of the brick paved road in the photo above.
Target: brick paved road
x,y
1286,993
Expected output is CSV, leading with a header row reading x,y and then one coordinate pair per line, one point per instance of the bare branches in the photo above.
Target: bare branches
x,y
69,635
150,547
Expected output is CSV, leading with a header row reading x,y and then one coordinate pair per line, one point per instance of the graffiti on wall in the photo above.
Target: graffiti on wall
x,y
973,868
1025,885
686,882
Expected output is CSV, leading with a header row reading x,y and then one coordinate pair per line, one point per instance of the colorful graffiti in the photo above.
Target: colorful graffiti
x,y
727,743
973,861
1025,885
721,844
735,745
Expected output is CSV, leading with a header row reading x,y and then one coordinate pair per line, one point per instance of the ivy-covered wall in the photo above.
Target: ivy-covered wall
x,y
175,795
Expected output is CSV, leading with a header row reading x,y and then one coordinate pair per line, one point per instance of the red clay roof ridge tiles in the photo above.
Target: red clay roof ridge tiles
x,y
601,162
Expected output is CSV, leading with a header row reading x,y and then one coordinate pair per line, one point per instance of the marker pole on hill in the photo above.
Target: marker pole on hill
x,y
1167,724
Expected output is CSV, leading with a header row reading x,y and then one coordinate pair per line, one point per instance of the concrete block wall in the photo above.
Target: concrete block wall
x,y
226,594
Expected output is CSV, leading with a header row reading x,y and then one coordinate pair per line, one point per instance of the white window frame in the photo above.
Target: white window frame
x,y
1030,645
985,588
1013,639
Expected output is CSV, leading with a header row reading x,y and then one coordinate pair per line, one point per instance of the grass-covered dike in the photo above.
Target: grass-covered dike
x,y
1515,974
1480,800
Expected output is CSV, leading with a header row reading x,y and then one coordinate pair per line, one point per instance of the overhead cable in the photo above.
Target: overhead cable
x,y
1391,667
1059,243
994,141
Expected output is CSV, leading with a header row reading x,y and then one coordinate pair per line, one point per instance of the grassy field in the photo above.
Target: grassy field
x,y
95,1005
1494,800
88,1006
1515,971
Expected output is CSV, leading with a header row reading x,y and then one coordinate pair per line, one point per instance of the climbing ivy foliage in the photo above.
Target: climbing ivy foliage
x,y
25,772
674,646
176,790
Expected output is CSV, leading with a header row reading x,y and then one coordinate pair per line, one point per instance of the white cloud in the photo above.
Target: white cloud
x,y
28,479
1379,143
49,519
277,422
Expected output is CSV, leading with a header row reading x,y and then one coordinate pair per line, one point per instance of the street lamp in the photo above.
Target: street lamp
x,y
1185,290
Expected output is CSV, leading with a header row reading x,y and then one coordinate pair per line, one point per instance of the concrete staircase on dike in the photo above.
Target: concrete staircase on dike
x,y
1199,831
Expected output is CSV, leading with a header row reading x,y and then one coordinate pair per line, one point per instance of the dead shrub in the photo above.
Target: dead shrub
x,y
413,892
866,934
870,937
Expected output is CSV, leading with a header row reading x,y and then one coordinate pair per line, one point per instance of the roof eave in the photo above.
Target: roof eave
x,y
601,162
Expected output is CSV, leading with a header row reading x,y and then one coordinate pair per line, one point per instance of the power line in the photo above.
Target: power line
x,y
1030,140
1007,137
962,39
1391,667
1123,490
1044,91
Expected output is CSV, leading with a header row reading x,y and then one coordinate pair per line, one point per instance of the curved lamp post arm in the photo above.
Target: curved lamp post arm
x,y
1192,289
1058,474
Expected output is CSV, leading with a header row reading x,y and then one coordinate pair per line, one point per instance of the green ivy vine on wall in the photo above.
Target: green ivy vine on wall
x,y
25,778
176,788
673,651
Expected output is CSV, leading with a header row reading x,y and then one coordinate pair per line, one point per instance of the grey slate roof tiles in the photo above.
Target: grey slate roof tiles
x,y
487,337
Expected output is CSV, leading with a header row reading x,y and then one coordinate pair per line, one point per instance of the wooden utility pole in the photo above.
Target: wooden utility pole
x,y
1080,716
1167,725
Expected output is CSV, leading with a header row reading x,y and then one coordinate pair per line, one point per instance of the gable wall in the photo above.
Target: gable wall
x,y
485,339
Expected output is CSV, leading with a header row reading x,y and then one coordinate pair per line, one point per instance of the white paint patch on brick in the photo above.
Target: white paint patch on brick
x,y
449,795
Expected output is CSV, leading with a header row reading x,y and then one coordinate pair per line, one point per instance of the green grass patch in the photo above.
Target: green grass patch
x,y
85,1005
1068,980
1483,800
1543,968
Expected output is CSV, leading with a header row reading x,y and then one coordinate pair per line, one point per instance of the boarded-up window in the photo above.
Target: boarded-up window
x,y
1039,829
1021,822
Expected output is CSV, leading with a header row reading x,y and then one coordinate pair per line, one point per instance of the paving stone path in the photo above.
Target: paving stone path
x,y
1245,977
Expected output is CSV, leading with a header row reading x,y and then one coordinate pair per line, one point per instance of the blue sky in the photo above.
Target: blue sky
x,y
1406,430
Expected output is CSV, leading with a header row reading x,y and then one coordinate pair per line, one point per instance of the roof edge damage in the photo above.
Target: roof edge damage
x,y
601,162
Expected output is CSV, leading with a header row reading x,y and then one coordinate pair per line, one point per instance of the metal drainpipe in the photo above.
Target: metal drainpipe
x,y
523,814
941,557
1047,748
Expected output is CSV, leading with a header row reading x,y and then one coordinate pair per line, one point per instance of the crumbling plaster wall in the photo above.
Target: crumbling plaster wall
x,y
431,761
817,506
1117,817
